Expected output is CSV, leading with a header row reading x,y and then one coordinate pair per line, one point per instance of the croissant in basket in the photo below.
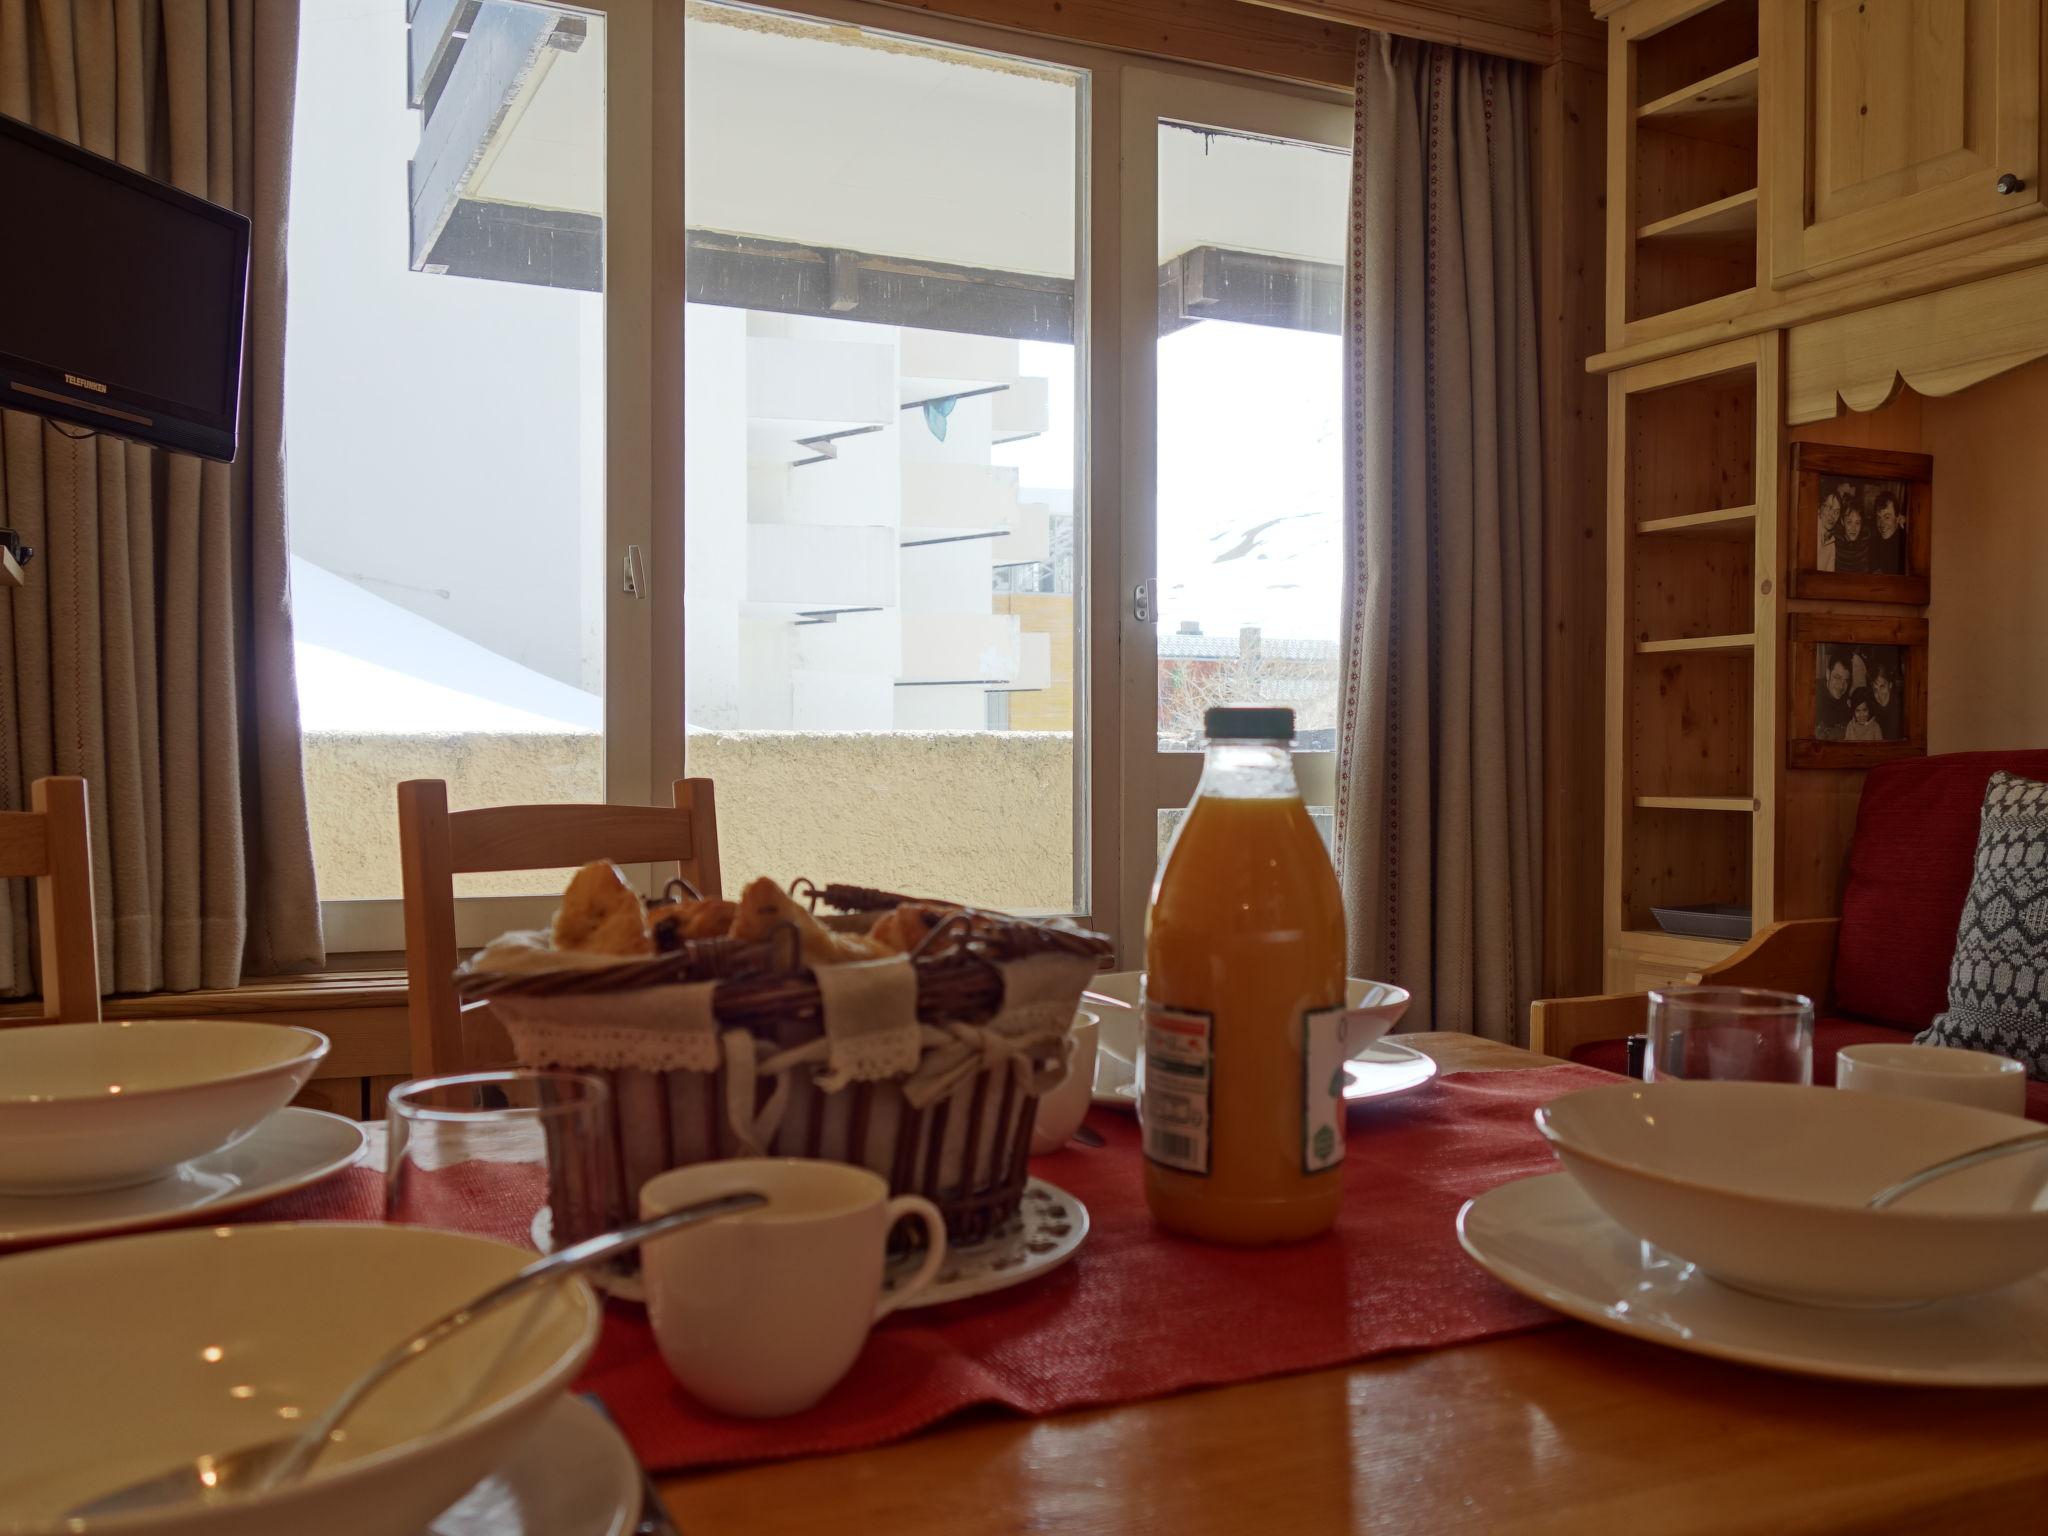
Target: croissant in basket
x,y
601,914
765,909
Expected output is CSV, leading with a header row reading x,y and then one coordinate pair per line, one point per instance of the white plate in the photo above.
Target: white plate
x,y
293,1148
1384,1067
1049,1226
573,1476
1378,1008
1546,1239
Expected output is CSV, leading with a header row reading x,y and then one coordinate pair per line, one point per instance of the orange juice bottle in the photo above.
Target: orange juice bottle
x,y
1242,1053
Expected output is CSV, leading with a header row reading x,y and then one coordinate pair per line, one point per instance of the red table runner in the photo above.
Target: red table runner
x,y
1137,1313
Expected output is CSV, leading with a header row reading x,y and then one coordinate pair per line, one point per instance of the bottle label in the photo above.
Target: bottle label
x,y
1322,1089
1178,1076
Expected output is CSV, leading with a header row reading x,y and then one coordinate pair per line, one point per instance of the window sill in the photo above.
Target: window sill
x,y
267,995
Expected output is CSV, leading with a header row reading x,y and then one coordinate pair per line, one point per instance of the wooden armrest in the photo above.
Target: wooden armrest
x,y
1560,1025
1795,956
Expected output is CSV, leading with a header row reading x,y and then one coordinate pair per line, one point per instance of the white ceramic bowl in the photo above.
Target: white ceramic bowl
x,y
1375,1007
102,1106
1976,1078
1061,1111
1762,1185
126,1357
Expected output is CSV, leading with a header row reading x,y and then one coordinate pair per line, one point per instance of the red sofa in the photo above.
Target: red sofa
x,y
1909,870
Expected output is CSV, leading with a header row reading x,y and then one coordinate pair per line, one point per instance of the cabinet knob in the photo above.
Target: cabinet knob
x,y
2009,184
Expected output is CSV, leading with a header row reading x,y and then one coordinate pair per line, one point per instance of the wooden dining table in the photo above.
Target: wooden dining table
x,y
1564,1428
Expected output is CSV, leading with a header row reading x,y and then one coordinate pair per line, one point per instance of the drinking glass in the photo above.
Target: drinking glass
x,y
520,1156
1731,1034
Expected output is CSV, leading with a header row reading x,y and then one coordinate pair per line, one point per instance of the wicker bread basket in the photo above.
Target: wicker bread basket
x,y
926,1068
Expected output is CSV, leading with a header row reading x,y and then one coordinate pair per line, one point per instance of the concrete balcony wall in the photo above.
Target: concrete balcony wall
x,y
811,567
961,647
812,379
960,496
1022,410
977,816
941,360
952,577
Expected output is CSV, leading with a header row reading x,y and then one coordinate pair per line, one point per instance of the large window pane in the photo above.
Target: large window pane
x,y
445,412
1250,477
882,578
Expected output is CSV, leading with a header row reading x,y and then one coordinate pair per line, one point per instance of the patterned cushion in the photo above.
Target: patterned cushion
x,y
1998,981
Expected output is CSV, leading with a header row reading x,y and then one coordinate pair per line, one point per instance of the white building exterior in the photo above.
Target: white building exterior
x,y
841,557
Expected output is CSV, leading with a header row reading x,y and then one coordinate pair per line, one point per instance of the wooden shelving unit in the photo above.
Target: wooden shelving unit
x,y
1728,223
1682,168
1720,109
1706,645
1722,522
1692,651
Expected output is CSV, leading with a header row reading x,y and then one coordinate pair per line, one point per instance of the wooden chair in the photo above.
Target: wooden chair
x,y
53,843
1793,956
436,844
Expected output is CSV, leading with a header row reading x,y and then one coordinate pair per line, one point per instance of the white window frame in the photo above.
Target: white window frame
x,y
1122,780
1154,781
633,396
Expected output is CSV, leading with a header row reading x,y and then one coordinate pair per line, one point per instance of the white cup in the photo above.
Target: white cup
x,y
1976,1078
762,1313
1061,1111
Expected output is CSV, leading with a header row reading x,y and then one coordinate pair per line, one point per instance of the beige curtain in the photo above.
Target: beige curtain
x,y
151,650
1439,749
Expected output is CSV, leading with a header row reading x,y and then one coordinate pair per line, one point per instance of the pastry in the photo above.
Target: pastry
x,y
901,929
601,914
765,908
671,924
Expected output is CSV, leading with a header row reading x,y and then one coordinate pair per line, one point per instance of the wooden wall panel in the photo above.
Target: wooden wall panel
x,y
1817,807
1987,673
1571,221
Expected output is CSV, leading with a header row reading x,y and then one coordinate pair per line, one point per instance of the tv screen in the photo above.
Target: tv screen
x,y
125,298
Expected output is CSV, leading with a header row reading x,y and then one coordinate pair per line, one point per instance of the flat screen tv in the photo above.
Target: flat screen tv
x,y
121,299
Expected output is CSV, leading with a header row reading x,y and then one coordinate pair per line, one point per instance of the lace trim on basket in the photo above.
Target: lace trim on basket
x,y
871,1026
657,1029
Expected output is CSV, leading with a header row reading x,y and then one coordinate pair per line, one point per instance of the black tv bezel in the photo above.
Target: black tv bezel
x,y
27,384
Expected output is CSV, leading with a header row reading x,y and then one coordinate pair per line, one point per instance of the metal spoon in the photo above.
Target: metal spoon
x,y
1114,1002
258,1468
1956,1164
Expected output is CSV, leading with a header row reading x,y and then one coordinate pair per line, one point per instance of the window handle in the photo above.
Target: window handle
x,y
1141,602
635,576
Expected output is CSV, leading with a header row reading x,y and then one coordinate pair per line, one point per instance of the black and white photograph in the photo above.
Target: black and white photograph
x,y
1859,690
1860,522
1861,526
1860,694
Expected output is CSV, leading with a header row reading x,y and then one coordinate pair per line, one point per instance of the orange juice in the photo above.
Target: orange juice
x,y
1243,1037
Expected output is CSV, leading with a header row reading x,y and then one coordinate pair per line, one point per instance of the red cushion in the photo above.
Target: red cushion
x,y
1909,869
1829,1036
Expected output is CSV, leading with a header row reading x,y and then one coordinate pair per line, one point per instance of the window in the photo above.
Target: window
x,y
446,424
882,582
715,386
1236,510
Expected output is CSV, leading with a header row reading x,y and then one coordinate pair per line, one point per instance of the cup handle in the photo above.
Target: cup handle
x,y
934,1253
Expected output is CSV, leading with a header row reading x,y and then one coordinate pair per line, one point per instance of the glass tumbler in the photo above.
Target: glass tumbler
x,y
1730,1034
520,1156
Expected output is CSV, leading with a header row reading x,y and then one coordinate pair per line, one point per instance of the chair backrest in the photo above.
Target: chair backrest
x,y
1909,872
53,843
436,844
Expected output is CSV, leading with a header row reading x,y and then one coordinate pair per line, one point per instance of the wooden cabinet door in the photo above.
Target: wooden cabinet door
x,y
1895,124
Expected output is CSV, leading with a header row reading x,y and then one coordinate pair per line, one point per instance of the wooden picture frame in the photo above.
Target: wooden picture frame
x,y
1877,479
1867,650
